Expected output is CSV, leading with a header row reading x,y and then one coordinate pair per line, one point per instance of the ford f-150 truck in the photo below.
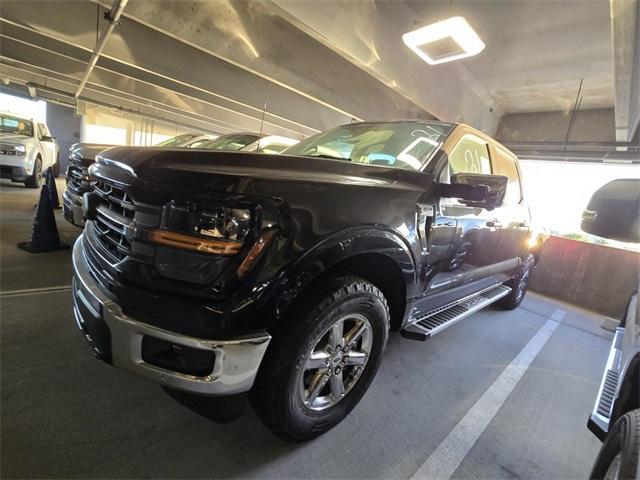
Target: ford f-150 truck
x,y
221,273
27,149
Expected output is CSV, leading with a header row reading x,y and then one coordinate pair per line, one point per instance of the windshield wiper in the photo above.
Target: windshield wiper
x,y
332,157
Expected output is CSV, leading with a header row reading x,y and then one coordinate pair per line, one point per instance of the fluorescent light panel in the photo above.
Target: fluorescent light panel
x,y
445,41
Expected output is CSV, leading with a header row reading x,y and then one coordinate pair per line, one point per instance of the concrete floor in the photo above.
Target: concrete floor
x,y
66,415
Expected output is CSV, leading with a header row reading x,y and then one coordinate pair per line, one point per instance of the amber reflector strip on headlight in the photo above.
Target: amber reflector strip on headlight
x,y
254,253
197,244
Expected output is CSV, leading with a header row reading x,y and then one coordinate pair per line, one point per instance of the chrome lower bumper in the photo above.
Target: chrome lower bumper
x,y
236,362
72,208
600,419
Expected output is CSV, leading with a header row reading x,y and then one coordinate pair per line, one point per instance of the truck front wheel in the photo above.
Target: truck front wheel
x,y
322,358
35,180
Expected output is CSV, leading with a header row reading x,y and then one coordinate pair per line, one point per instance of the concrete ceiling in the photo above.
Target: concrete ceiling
x,y
537,51
318,64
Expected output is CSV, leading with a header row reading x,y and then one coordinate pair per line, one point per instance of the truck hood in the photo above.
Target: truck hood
x,y
219,169
85,153
13,137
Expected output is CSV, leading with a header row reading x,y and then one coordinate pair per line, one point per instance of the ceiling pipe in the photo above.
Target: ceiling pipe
x,y
112,18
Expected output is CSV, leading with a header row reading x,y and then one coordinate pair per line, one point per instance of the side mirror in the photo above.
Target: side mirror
x,y
476,190
614,211
46,138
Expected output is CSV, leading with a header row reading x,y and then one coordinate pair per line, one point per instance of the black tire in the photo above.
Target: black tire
x,y
619,456
277,396
36,178
519,285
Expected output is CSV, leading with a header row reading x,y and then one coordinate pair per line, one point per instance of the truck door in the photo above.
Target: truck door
x,y
512,217
473,237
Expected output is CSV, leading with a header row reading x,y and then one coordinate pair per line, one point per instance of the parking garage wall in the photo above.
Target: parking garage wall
x,y
596,277
65,126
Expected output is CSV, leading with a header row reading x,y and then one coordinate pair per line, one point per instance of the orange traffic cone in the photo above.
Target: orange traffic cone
x,y
44,233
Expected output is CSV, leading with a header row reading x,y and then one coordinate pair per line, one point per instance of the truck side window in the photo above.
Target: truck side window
x,y
507,167
468,156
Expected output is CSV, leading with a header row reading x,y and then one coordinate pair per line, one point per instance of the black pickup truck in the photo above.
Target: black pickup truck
x,y
221,273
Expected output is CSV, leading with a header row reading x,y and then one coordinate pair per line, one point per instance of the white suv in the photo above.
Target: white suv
x,y
27,149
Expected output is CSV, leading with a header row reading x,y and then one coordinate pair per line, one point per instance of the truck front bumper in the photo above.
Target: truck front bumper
x,y
72,208
160,355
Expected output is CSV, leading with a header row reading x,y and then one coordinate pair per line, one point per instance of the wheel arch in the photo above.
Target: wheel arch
x,y
378,255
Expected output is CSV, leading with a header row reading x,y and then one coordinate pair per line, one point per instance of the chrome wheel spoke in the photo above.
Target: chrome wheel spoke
x,y
337,386
355,333
358,359
317,384
335,335
318,361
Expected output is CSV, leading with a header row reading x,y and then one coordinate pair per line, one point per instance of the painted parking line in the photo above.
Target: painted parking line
x,y
34,291
448,456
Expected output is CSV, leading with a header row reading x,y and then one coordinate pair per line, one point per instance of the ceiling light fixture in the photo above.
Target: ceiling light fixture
x,y
445,41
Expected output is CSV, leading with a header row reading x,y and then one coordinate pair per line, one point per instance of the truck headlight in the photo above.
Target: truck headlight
x,y
221,222
20,150
217,230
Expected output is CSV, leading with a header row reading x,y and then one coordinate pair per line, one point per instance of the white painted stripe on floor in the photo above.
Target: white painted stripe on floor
x,y
32,291
445,459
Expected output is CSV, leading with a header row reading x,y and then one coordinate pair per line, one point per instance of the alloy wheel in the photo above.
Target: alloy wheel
x,y
335,363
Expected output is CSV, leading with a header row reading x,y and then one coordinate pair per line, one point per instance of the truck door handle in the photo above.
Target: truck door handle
x,y
494,223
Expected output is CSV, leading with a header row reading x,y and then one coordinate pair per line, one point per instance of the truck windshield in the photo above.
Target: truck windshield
x,y
9,124
173,141
231,141
407,145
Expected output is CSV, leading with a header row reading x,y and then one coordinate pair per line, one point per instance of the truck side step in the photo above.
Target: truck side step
x,y
430,323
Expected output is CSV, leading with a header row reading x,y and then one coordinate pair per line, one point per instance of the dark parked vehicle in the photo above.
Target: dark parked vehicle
x,y
614,212
220,273
82,155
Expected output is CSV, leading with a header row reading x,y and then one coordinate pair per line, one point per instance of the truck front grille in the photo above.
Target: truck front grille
x,y
77,174
113,221
116,199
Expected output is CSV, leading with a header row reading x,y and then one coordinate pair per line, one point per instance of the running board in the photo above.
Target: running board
x,y
437,320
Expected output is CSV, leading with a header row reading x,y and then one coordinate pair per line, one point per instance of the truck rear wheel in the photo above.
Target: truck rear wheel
x,y
322,358
620,454
519,285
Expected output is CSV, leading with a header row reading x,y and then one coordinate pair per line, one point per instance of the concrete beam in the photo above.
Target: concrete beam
x,y
248,35
140,53
368,34
625,28
148,87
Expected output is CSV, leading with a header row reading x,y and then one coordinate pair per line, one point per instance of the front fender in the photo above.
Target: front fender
x,y
341,246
